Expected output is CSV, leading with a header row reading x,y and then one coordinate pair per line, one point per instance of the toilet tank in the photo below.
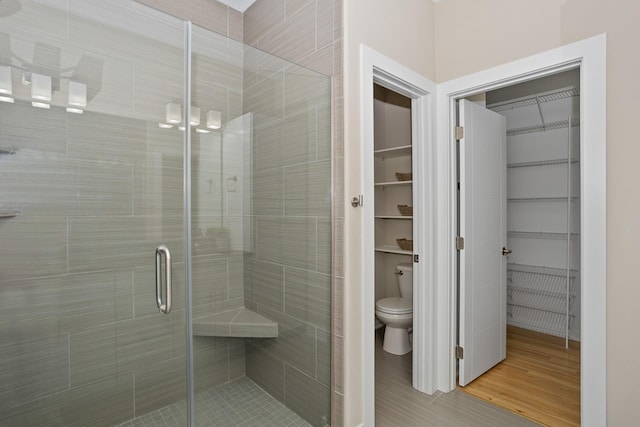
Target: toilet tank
x,y
405,279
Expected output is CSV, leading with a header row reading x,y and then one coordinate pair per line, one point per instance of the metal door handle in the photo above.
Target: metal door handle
x,y
164,306
506,251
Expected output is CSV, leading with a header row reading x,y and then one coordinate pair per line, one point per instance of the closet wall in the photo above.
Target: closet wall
x,y
543,209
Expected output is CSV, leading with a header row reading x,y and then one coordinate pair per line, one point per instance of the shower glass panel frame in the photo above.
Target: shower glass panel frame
x,y
98,168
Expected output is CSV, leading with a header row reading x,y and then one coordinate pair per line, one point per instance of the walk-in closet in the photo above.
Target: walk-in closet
x,y
540,377
543,209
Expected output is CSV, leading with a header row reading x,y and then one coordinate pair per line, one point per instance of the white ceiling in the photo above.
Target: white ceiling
x,y
239,5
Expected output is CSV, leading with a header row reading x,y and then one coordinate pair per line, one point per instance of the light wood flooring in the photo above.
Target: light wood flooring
x,y
399,404
539,379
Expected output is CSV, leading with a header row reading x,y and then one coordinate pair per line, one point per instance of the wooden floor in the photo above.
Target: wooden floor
x,y
539,379
399,404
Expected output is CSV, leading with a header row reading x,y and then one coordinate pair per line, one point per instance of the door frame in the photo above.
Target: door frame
x,y
590,56
379,69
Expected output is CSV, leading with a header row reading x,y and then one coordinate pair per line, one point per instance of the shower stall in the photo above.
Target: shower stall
x,y
165,223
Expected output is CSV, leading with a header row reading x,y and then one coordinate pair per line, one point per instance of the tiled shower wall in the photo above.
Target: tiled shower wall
x,y
288,277
82,342
307,33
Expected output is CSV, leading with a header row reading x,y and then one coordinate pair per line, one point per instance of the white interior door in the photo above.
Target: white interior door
x,y
483,288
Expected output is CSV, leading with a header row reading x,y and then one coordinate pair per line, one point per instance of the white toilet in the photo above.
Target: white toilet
x,y
397,313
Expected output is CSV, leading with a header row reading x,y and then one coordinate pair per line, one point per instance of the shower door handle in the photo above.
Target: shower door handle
x,y
163,306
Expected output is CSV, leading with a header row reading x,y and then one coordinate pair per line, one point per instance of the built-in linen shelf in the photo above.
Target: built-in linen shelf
x,y
539,235
387,153
393,183
240,322
392,249
541,199
8,150
9,214
394,217
541,163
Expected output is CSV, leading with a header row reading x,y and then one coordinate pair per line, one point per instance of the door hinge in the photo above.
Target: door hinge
x,y
459,352
459,132
416,258
459,243
357,200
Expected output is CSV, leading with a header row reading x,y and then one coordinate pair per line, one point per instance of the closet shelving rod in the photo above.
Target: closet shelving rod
x,y
536,327
541,199
541,307
538,291
537,269
544,127
542,163
562,313
525,101
540,234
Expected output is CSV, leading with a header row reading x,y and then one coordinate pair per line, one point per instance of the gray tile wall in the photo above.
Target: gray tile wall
x,y
113,170
299,284
209,14
82,342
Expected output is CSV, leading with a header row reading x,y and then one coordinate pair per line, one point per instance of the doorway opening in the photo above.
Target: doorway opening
x,y
534,266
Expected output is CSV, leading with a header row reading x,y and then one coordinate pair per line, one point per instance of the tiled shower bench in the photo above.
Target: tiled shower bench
x,y
239,322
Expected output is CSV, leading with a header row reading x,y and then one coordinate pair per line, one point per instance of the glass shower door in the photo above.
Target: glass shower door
x,y
91,183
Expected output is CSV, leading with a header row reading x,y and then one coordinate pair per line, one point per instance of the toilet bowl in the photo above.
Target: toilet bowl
x,y
397,313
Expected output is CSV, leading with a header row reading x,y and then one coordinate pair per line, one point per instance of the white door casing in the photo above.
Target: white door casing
x,y
483,268
440,265
590,56
379,69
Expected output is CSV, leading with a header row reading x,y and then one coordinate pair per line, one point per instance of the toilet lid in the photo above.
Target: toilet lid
x,y
395,305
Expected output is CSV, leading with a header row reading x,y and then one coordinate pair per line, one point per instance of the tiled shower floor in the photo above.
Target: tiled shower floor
x,y
239,403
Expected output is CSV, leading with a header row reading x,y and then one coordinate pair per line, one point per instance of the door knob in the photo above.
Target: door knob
x,y
506,251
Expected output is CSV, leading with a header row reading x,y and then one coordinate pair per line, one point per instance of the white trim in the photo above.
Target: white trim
x,y
590,56
375,67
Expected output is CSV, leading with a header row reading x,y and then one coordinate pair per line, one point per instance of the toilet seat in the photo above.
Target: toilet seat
x,y
395,305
